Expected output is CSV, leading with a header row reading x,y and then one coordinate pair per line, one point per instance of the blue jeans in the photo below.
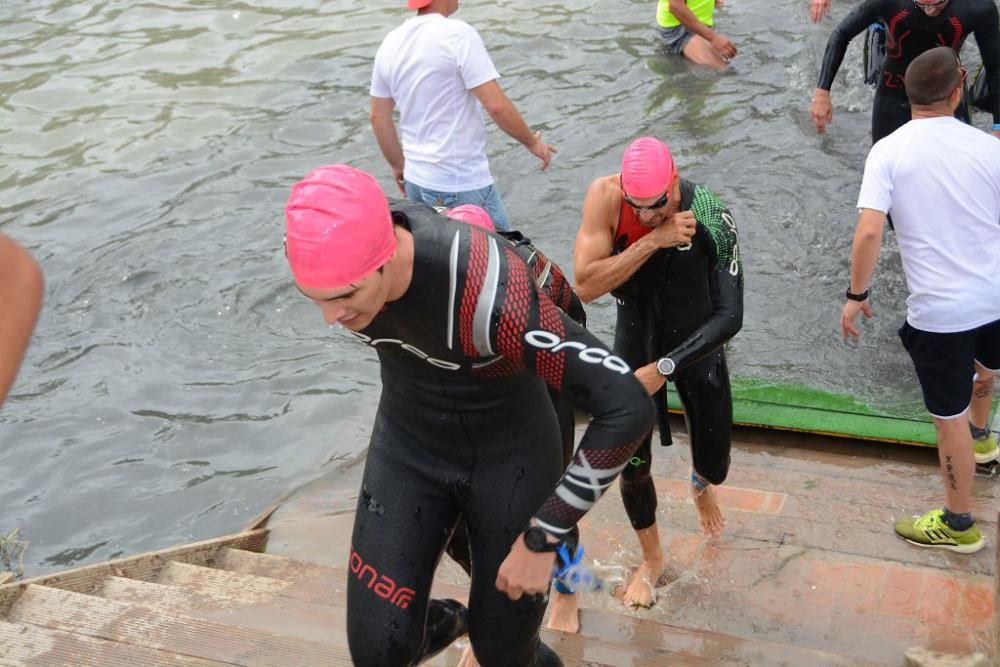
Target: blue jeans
x,y
487,197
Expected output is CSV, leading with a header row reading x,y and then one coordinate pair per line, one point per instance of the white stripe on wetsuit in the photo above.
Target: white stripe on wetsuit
x,y
487,299
452,287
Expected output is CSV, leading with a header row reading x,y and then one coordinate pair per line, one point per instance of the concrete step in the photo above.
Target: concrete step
x,y
236,584
23,645
177,634
266,613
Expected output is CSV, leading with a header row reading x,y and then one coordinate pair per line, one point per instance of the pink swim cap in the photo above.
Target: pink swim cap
x,y
338,228
474,215
647,168
417,4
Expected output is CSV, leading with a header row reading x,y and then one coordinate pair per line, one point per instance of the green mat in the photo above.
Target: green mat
x,y
796,407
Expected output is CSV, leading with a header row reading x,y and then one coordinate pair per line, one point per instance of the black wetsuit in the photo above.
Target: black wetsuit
x,y
685,304
910,32
464,428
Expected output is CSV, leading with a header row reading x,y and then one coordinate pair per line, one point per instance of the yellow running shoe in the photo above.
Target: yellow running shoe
x,y
930,530
986,448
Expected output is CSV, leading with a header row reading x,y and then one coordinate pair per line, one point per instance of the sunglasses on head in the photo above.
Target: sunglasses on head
x,y
930,5
659,203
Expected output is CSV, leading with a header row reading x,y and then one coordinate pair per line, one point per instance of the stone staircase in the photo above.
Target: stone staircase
x,y
224,602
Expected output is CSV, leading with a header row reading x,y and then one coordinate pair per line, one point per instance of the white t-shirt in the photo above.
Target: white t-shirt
x,y
939,179
428,66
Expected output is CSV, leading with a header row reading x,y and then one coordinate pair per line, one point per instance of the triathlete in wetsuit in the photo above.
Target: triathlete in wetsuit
x,y
464,427
563,611
912,27
678,303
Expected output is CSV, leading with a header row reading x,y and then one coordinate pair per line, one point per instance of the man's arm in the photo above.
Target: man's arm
x,y
726,282
683,13
860,18
987,33
864,257
387,137
595,269
506,116
818,9
20,300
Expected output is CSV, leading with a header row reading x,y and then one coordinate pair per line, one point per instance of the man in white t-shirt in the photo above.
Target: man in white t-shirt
x,y
940,181
437,71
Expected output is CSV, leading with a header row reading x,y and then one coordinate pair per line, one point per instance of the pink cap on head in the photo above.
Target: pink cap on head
x,y
338,228
647,168
417,4
474,215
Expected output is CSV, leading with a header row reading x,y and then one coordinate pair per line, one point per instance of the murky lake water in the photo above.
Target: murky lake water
x,y
177,383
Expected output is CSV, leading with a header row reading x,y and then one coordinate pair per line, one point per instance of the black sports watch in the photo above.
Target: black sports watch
x,y
537,540
666,366
856,297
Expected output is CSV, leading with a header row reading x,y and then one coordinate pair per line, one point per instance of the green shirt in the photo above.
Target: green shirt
x,y
703,10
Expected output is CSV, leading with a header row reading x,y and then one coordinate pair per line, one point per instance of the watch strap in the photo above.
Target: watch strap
x,y
856,297
537,541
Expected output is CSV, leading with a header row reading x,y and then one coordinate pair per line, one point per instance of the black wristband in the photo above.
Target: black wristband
x,y
856,297
537,541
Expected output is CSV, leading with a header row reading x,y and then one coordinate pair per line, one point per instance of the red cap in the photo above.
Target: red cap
x,y
647,168
417,4
474,215
338,228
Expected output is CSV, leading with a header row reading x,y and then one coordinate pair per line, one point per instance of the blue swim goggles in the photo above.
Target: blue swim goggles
x,y
571,575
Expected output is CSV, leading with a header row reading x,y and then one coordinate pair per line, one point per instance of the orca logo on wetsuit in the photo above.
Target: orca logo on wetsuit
x,y
439,363
546,340
734,263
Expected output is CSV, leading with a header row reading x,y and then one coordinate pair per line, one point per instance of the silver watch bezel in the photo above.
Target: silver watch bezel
x,y
660,366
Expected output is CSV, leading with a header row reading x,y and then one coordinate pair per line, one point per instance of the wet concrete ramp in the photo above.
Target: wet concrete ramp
x,y
223,602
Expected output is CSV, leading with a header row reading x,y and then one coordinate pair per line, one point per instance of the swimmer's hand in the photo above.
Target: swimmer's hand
x,y
397,175
850,314
723,47
542,150
650,378
676,231
818,9
822,110
524,572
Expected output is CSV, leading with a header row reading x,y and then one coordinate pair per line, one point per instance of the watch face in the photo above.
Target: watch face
x,y
534,539
665,366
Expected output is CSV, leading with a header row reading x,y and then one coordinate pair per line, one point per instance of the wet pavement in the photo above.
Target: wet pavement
x,y
808,558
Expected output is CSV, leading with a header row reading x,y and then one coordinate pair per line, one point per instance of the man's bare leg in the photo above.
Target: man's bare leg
x,y
958,464
709,513
699,51
982,398
640,589
564,612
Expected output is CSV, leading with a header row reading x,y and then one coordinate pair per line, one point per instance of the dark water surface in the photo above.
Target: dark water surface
x,y
177,383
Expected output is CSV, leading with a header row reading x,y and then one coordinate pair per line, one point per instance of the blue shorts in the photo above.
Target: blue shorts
x,y
945,364
674,39
488,198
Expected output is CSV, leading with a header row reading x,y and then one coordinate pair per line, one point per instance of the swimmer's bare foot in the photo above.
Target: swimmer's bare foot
x,y
564,614
468,658
640,589
709,512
